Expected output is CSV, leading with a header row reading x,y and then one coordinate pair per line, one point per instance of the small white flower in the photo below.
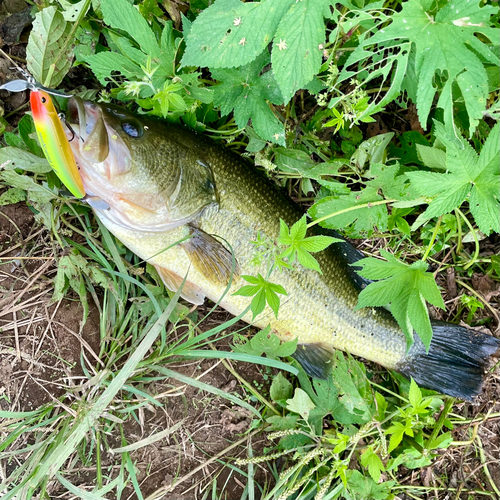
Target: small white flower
x,y
243,41
282,45
237,21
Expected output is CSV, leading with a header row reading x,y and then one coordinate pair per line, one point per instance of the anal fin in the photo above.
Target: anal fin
x,y
190,291
210,257
315,358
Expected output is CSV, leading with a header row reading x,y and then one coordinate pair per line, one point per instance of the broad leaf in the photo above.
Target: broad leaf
x,y
46,42
406,288
245,91
231,33
469,177
298,45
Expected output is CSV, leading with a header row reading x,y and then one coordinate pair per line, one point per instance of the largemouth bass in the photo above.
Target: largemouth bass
x,y
192,208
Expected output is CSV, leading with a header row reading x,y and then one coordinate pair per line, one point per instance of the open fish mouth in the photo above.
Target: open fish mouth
x,y
87,123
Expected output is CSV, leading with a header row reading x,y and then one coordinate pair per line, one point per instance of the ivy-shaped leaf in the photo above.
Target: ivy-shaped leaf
x,y
445,43
245,91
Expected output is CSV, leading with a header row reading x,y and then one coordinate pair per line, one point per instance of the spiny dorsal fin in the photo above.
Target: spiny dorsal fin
x,y
190,291
210,257
316,359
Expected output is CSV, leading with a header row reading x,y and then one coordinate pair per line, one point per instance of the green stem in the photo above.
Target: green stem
x,y
442,417
431,243
476,241
350,209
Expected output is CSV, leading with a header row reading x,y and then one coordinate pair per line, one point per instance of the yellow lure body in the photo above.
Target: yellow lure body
x,y
54,142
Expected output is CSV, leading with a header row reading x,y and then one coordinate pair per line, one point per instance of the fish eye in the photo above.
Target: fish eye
x,y
132,129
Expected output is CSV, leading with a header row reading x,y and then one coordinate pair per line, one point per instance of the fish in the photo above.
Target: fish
x,y
53,140
192,209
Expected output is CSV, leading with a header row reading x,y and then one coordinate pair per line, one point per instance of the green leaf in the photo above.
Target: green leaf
x,y
442,441
373,463
432,157
446,45
298,45
231,33
47,38
280,388
300,246
362,488
104,64
14,158
364,219
468,176
12,195
415,394
245,91
406,288
122,15
300,403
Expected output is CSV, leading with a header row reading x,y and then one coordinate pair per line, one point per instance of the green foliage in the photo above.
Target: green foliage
x,y
263,292
429,29
245,91
265,342
299,246
48,54
469,176
405,288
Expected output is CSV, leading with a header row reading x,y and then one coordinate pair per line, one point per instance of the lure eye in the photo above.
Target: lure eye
x,y
132,129
44,100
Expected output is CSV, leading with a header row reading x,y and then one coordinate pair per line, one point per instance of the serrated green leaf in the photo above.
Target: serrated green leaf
x,y
364,219
300,403
231,33
468,176
361,487
415,394
104,64
298,45
280,388
406,288
36,192
432,157
49,34
245,91
373,463
122,15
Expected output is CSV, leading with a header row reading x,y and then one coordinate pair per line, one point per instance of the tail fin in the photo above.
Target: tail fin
x,y
456,361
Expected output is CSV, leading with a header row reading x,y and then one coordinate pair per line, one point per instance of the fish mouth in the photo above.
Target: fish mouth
x,y
88,127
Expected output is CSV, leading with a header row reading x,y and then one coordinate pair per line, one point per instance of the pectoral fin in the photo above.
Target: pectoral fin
x,y
316,359
190,291
210,257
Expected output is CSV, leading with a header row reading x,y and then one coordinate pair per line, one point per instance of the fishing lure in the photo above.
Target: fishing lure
x,y
51,135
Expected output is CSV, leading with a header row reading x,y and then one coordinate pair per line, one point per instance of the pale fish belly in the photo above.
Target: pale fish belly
x,y
311,311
